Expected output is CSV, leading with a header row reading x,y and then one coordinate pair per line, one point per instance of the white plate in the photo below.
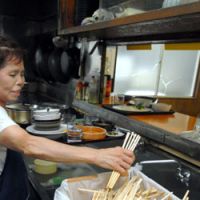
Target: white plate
x,y
46,111
119,134
47,117
52,134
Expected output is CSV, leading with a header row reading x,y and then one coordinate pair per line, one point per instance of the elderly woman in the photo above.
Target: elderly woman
x,y
14,140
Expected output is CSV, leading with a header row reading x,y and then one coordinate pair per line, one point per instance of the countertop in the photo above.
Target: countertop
x,y
167,170
163,129
175,123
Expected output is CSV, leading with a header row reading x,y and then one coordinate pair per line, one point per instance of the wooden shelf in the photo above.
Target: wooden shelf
x,y
175,23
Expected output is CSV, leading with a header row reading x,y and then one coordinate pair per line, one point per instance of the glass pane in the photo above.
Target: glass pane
x,y
143,72
136,71
178,73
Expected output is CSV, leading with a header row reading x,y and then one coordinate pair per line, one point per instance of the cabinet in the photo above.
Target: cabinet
x,y
179,23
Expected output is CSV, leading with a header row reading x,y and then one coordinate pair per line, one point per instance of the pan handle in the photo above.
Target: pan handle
x,y
95,46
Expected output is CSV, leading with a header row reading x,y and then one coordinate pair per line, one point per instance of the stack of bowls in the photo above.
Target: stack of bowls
x,y
47,119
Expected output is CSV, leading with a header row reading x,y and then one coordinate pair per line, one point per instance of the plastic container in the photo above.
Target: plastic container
x,y
197,124
161,107
44,167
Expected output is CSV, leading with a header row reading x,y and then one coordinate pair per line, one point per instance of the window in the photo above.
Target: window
x,y
168,71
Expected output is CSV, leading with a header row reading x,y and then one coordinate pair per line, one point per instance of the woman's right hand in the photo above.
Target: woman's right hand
x,y
116,158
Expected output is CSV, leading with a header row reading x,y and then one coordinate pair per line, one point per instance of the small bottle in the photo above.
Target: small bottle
x,y
85,91
108,85
197,124
93,96
79,90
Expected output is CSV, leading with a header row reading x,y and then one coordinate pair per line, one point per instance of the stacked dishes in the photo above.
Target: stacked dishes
x,y
47,123
48,118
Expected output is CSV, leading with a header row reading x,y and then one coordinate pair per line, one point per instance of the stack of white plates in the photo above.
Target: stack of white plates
x,y
47,119
51,134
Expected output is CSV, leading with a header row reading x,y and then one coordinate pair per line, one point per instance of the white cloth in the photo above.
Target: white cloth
x,y
5,121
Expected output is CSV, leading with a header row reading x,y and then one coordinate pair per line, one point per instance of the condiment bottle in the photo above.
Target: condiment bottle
x,y
93,94
108,86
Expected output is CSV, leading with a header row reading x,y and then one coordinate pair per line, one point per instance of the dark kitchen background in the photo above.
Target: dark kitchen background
x,y
33,24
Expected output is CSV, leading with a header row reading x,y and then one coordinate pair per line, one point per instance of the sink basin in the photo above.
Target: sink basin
x,y
171,174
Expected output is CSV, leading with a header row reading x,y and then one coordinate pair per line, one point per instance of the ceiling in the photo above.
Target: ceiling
x,y
29,9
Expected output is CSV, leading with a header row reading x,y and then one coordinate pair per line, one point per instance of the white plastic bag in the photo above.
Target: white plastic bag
x,y
69,190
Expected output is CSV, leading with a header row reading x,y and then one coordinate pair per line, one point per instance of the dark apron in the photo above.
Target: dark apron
x,y
14,179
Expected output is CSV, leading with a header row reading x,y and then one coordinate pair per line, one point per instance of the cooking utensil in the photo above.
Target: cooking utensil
x,y
64,64
41,62
20,113
74,52
57,60
85,55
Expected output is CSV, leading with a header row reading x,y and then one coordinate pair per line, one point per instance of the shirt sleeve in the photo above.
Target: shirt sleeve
x,y
5,120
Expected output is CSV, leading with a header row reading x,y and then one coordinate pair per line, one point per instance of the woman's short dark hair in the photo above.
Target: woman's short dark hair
x,y
10,51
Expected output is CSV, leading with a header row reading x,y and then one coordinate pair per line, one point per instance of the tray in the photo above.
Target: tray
x,y
146,111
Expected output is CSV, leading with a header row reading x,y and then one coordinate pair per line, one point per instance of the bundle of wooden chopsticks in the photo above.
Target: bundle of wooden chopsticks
x,y
132,189
130,142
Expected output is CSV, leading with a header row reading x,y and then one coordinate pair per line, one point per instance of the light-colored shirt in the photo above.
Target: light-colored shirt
x,y
5,121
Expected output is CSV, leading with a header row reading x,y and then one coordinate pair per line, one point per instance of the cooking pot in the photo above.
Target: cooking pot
x,y
20,113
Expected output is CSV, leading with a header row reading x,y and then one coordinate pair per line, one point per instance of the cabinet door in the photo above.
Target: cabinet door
x,y
72,12
66,13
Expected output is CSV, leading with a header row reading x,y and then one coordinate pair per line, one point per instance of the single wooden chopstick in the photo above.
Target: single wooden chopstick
x,y
88,190
165,197
186,195
130,142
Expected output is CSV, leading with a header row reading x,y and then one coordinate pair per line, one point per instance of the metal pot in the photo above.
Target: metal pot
x,y
20,113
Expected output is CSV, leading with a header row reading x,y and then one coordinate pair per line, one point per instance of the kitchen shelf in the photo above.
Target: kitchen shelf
x,y
168,24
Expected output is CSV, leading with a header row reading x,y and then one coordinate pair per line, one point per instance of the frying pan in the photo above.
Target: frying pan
x,y
41,62
86,56
74,52
64,64
59,63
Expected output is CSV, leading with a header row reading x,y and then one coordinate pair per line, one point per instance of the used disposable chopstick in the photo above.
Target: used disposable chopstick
x,y
165,197
88,190
186,195
130,142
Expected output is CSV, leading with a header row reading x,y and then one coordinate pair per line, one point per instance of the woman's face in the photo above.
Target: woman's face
x,y
11,81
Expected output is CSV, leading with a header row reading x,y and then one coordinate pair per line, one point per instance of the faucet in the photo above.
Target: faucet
x,y
183,175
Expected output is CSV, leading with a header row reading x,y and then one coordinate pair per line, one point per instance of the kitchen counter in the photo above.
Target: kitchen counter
x,y
172,171
174,179
162,129
174,123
